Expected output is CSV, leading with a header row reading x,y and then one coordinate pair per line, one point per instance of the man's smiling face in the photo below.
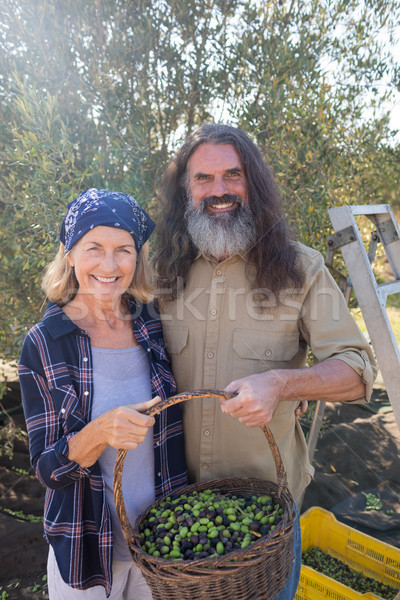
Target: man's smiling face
x,y
215,171
218,216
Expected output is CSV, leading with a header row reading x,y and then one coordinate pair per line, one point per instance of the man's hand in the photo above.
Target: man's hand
x,y
257,398
259,395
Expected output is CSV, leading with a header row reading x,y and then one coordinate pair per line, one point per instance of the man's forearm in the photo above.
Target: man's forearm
x,y
332,381
258,396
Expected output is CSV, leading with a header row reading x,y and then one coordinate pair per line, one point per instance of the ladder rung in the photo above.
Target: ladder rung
x,y
392,287
372,296
370,209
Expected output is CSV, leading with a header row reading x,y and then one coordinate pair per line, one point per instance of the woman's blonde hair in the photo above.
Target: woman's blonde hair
x,y
60,284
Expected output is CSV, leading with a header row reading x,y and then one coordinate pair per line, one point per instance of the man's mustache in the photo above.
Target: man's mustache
x,y
221,200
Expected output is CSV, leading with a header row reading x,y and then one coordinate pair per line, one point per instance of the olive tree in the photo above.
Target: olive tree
x,y
101,93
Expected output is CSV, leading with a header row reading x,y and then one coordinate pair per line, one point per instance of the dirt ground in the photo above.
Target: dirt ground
x,y
358,453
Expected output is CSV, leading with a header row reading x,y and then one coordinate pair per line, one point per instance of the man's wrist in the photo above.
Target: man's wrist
x,y
282,382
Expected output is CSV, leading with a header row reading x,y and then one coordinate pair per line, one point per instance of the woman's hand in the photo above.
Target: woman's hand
x,y
123,427
302,408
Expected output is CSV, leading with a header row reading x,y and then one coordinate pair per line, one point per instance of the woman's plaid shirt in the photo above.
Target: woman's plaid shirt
x,y
56,376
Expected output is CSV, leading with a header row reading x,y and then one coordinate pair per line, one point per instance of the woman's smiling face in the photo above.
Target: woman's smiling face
x,y
105,262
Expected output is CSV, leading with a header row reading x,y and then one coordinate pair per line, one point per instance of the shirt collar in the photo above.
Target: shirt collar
x,y
59,324
230,259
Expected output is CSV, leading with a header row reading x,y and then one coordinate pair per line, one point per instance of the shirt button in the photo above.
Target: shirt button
x,y
210,354
206,432
62,410
159,474
205,466
86,393
213,311
158,443
219,272
268,353
85,359
148,349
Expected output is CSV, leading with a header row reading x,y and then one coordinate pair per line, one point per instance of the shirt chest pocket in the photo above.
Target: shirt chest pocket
x,y
68,408
176,342
258,351
176,339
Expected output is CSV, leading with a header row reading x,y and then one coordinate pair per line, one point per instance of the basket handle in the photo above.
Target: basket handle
x,y
154,410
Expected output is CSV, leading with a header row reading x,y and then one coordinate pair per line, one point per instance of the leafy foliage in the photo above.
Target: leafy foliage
x,y
100,94
308,121
19,514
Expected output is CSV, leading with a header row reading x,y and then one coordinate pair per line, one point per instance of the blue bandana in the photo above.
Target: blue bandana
x,y
96,207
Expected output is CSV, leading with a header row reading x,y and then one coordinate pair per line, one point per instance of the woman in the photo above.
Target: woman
x,y
88,370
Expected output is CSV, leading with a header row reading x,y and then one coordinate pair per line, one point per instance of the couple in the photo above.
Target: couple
x,y
241,303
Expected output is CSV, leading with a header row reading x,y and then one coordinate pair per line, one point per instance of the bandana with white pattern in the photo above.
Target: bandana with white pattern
x,y
96,207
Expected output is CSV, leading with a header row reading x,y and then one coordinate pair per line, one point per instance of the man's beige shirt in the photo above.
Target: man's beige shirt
x,y
216,332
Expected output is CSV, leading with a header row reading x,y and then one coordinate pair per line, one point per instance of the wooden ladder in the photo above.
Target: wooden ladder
x,y
371,296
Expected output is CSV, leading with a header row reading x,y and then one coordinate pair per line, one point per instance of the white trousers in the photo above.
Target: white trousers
x,y
128,583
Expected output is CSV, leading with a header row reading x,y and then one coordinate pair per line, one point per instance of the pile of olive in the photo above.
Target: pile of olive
x,y
202,524
336,569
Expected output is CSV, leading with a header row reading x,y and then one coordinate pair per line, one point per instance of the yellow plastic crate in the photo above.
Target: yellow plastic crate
x,y
359,551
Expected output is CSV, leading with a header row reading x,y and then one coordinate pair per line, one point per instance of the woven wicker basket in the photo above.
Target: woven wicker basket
x,y
259,571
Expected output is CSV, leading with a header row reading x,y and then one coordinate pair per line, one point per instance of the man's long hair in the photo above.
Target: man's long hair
x,y
273,254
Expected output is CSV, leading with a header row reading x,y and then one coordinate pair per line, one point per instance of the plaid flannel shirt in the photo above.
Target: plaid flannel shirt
x,y
56,377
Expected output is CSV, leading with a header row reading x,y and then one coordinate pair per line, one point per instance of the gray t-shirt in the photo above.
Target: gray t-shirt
x,y
122,377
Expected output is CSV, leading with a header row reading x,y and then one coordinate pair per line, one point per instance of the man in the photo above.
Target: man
x,y
241,304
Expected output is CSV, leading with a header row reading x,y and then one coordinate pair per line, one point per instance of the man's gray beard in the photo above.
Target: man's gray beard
x,y
221,235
